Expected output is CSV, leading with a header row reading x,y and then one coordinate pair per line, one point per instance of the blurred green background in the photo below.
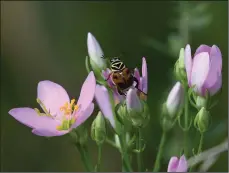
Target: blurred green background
x,y
47,40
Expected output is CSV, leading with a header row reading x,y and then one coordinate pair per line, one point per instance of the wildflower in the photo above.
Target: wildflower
x,y
178,165
95,53
61,115
137,109
175,99
204,70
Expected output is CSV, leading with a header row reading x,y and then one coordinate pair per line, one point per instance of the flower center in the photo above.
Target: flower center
x,y
68,110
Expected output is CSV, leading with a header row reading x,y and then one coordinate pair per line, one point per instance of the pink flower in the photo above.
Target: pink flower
x,y
178,165
204,70
61,114
142,80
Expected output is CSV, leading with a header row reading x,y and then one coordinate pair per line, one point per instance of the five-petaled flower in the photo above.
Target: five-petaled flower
x,y
204,70
61,115
178,165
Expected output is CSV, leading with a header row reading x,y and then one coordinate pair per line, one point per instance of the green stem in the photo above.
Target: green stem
x,y
99,158
112,143
201,143
84,157
159,154
139,161
125,157
199,148
186,126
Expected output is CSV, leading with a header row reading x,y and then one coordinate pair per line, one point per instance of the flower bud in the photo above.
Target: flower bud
x,y
179,68
201,102
175,100
201,121
79,135
137,109
167,123
98,129
95,53
122,116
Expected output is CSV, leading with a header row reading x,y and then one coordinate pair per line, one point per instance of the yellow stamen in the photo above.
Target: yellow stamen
x,y
69,108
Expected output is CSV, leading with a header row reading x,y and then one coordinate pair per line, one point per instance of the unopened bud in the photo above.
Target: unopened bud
x,y
79,135
137,109
201,121
95,53
98,129
179,68
175,100
201,102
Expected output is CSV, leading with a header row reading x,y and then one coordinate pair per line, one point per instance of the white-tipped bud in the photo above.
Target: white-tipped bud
x,y
175,100
137,110
95,52
132,101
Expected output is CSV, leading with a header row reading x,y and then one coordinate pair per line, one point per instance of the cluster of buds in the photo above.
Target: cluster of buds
x,y
131,110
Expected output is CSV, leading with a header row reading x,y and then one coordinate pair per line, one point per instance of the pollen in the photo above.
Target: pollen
x,y
69,108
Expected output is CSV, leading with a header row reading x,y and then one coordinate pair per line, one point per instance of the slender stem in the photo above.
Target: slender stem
x,y
125,157
186,125
159,154
199,148
112,143
201,143
84,157
139,161
99,158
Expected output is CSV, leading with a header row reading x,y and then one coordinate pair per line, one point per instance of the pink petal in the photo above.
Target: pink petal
x,y
49,132
132,100
83,115
173,163
213,82
216,58
106,74
214,88
140,84
183,165
30,118
52,95
87,91
188,62
144,76
203,48
103,100
200,71
137,74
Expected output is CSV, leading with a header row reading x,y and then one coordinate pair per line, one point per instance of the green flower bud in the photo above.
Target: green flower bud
x,y
201,102
79,135
98,129
179,68
122,116
167,123
201,121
